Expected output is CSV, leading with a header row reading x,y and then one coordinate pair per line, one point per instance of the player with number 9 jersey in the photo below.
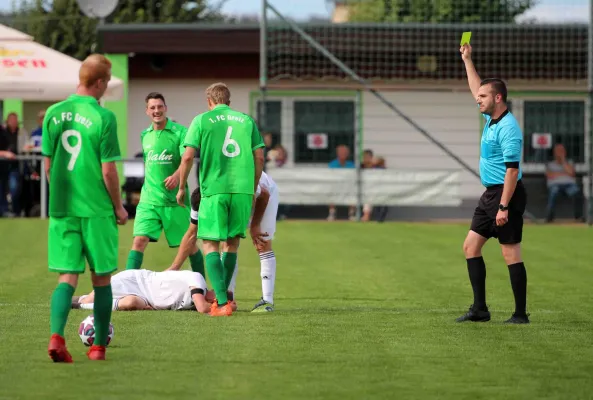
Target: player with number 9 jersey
x,y
78,136
79,144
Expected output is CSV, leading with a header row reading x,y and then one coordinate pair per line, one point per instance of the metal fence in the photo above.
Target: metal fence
x,y
399,89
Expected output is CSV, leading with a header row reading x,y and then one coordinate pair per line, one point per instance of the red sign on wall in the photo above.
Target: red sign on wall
x,y
23,63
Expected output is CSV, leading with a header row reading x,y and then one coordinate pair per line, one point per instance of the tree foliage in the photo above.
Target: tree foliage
x,y
438,11
60,24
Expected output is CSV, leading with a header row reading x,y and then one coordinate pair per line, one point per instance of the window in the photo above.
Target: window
x,y
334,118
273,120
565,120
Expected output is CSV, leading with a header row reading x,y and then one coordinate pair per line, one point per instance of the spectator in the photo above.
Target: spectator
x,y
367,159
560,176
277,156
36,134
341,161
12,142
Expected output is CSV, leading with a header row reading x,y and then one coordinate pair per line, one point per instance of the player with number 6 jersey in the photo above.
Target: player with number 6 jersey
x,y
231,164
80,147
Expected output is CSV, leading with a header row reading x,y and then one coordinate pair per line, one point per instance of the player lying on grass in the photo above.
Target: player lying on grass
x,y
142,289
262,228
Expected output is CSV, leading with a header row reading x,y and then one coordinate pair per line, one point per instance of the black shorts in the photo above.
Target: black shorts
x,y
484,220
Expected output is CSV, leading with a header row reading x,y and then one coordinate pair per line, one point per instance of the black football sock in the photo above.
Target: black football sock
x,y
476,269
518,276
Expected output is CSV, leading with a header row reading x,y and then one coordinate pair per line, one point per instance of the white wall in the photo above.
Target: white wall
x,y
185,100
450,117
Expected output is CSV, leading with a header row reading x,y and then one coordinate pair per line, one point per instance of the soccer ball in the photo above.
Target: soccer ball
x,y
86,331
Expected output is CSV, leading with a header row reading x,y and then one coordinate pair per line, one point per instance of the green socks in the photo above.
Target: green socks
x,y
61,302
217,277
102,313
197,263
229,260
134,260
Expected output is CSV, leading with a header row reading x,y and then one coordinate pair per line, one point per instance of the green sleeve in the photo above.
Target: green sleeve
x,y
256,140
47,142
109,142
193,137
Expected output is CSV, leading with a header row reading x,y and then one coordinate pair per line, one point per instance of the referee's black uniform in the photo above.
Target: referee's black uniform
x,y
501,146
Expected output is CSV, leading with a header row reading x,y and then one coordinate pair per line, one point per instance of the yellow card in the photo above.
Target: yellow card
x,y
465,38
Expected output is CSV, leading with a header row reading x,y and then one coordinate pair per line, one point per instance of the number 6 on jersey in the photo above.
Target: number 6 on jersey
x,y
228,142
73,150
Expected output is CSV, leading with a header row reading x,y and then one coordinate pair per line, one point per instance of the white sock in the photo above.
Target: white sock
x,y
233,283
91,306
268,275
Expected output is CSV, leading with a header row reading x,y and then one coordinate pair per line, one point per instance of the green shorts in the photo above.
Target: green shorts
x,y
71,240
224,216
151,220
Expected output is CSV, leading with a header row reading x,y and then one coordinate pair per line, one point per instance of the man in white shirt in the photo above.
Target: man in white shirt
x,y
262,229
142,289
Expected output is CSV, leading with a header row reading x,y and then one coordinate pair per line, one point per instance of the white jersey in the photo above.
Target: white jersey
x,y
266,182
167,290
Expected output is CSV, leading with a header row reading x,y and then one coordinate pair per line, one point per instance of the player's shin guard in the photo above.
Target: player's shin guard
x,y
134,259
229,260
102,313
217,276
61,302
268,275
197,263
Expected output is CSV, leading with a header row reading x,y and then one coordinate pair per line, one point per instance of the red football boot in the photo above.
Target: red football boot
x,y
57,349
96,353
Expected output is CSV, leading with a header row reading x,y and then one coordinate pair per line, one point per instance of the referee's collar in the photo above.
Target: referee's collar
x,y
497,120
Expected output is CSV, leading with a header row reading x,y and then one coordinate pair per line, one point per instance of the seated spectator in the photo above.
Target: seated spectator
x,y
560,175
341,161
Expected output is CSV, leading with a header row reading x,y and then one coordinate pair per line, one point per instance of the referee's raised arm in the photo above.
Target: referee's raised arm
x,y
472,75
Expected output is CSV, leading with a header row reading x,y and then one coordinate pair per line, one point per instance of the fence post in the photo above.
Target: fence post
x,y
43,193
358,154
590,114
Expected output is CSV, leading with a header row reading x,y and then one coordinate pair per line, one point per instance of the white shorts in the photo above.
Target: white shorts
x,y
268,222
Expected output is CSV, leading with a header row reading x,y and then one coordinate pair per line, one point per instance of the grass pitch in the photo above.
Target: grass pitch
x,y
363,311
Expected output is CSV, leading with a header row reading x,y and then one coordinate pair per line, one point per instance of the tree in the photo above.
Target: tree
x,y
61,25
438,11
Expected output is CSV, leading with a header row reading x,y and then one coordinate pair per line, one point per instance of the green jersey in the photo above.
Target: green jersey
x,y
162,156
226,139
79,135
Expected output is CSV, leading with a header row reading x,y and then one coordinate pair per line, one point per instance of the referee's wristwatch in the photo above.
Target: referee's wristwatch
x,y
503,207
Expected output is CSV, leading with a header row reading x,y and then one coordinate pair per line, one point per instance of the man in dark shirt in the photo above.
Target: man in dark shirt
x,y
9,170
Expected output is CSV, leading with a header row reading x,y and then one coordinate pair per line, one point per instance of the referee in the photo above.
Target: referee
x,y
499,213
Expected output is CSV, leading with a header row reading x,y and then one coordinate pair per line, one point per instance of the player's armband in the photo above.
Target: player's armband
x,y
197,291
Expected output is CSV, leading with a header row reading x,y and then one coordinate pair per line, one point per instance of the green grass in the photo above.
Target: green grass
x,y
364,311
